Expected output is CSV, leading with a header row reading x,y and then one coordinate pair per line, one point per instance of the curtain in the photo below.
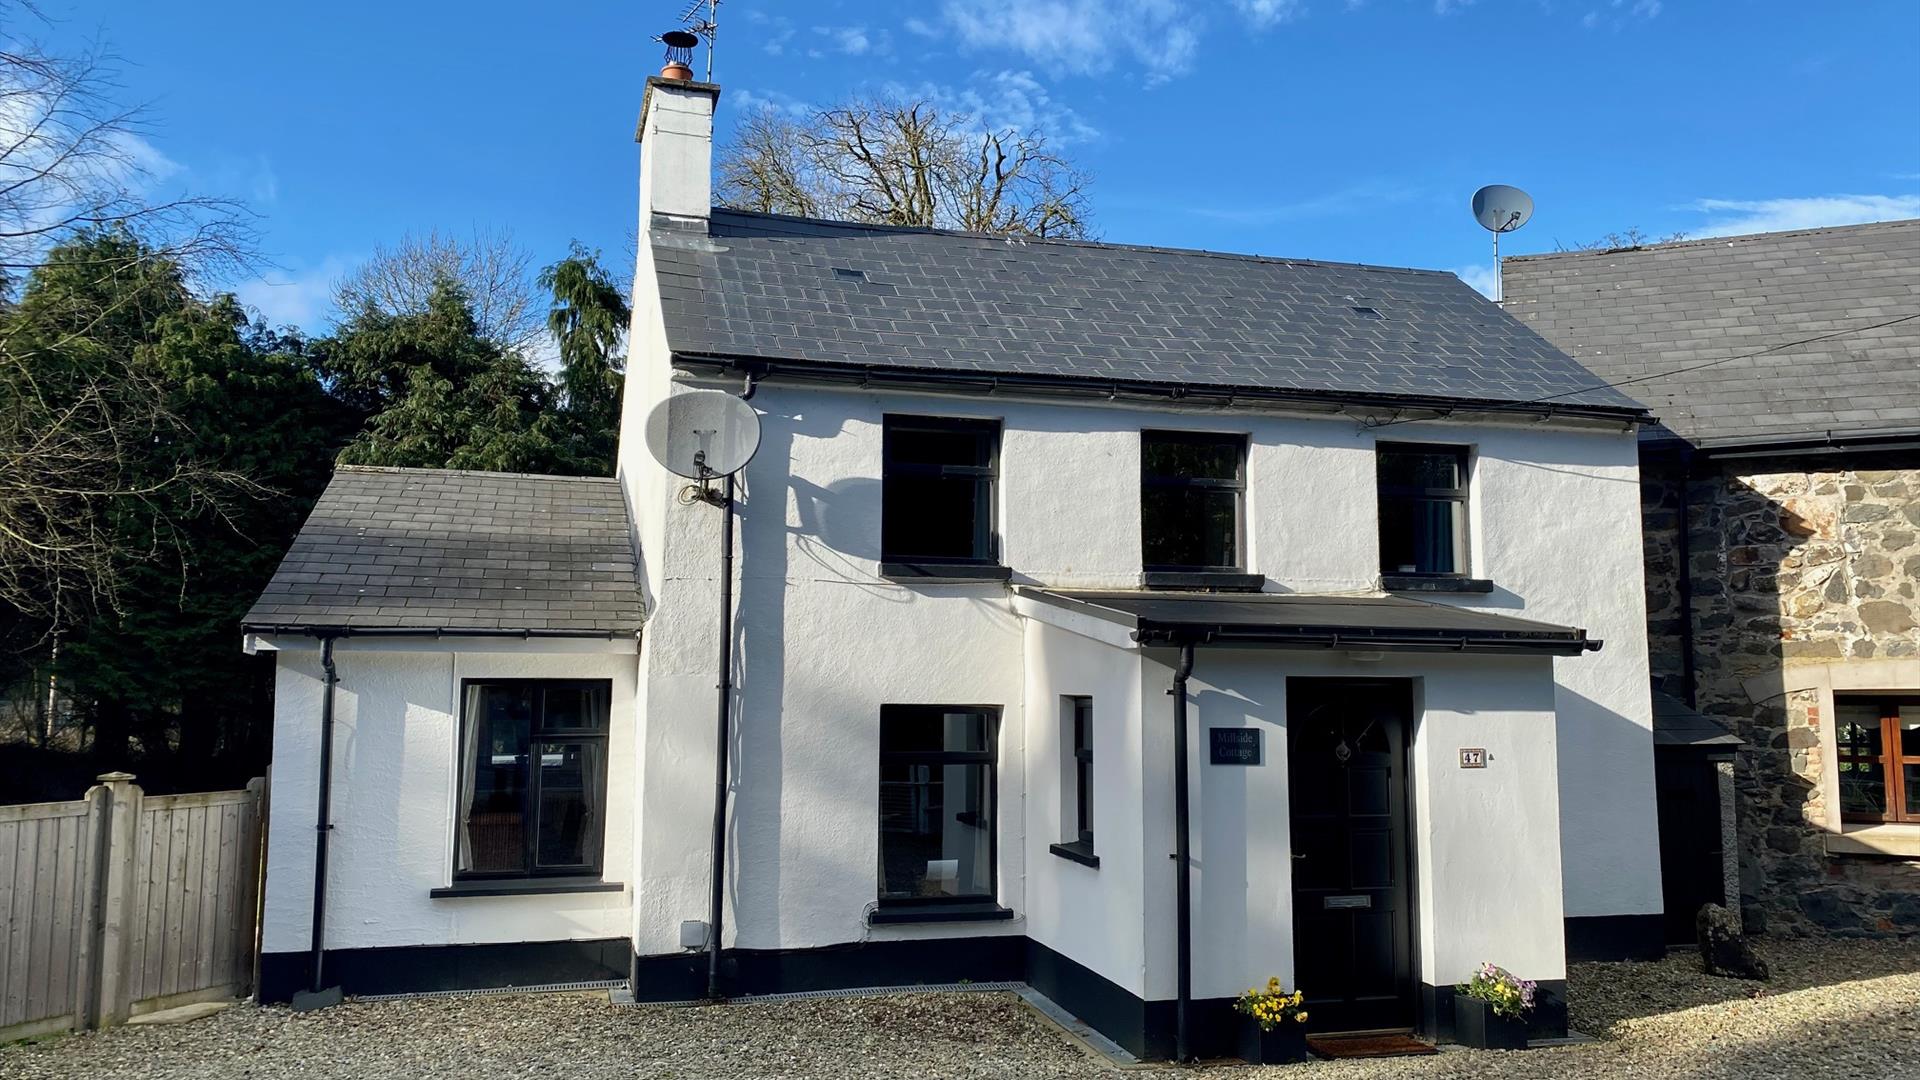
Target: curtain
x,y
472,743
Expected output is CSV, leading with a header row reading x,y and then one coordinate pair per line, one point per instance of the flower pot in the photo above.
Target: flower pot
x,y
1283,1044
1475,1024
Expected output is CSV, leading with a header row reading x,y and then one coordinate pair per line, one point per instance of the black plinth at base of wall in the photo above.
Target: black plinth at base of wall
x,y
422,969
1616,937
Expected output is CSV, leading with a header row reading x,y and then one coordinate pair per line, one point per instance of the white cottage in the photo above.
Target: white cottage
x,y
1134,623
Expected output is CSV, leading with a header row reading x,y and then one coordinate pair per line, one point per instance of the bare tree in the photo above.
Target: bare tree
x,y
903,163
73,158
494,273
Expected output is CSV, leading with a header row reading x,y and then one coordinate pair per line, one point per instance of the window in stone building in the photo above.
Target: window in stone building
x,y
1879,757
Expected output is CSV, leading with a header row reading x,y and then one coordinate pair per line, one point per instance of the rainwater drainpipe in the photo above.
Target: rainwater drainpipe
x,y
1183,884
319,995
716,901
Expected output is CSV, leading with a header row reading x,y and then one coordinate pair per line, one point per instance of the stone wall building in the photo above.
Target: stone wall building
x,y
1781,501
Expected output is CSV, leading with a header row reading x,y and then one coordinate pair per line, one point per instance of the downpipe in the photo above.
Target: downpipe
x,y
1183,862
318,995
716,900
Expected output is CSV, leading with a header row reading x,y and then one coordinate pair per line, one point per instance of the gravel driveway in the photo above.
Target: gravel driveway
x,y
1840,1009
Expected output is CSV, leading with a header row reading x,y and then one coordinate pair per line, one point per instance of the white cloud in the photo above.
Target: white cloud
x,y
1082,37
1003,100
747,100
1734,217
922,28
1482,276
853,40
1265,13
301,297
1447,7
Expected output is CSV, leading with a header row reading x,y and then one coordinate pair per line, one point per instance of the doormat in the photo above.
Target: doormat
x,y
1369,1045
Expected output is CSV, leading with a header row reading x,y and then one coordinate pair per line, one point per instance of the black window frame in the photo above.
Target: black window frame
x,y
1236,484
1460,494
537,734
990,759
986,547
1082,723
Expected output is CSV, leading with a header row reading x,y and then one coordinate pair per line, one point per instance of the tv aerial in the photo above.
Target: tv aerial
x,y
1501,209
701,22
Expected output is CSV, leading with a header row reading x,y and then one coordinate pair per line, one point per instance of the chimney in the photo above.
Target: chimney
x,y
676,148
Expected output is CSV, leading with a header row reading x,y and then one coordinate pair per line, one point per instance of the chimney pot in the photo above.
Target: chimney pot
x,y
677,71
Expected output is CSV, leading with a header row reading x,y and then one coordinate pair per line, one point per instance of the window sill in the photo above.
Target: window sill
x,y
1079,851
1218,580
1434,583
524,887
1900,841
960,911
925,571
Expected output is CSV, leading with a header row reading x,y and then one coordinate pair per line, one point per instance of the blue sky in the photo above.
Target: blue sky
x,y
1332,129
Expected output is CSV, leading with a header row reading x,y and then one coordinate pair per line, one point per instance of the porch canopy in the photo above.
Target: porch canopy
x,y
1305,621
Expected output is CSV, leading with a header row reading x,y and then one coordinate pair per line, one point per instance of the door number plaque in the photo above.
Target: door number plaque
x,y
1473,757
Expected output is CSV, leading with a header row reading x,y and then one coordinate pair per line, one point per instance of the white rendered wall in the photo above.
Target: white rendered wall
x,y
824,641
395,795
1486,841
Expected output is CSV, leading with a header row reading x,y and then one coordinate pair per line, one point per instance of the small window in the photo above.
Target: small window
x,y
1423,509
936,490
533,779
1879,757
1191,489
936,803
1080,743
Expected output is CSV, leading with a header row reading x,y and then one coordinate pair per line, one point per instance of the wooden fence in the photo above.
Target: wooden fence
x,y
122,903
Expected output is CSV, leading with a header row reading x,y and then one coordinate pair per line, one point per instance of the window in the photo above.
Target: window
x,y
1879,757
1423,509
936,803
1076,781
533,778
936,490
1191,488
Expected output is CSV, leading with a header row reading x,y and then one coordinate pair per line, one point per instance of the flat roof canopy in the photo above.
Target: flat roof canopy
x,y
1301,621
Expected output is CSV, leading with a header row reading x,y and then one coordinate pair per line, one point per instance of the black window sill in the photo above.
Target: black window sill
x,y
960,911
934,571
1217,580
1079,851
525,887
1435,583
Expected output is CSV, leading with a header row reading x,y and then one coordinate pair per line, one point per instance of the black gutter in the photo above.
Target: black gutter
x,y
318,995
1825,442
1183,862
1367,638
423,631
989,383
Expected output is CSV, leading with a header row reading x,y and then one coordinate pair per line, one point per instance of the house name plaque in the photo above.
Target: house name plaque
x,y
1233,746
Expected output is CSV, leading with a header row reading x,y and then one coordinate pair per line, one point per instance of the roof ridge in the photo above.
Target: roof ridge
x,y
411,470
1738,238
1058,241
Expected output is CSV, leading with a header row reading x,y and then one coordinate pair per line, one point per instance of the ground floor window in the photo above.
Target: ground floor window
x,y
937,803
533,778
1879,757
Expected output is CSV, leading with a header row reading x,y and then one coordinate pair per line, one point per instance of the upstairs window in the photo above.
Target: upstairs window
x,y
1192,486
936,803
1879,758
1423,509
937,490
533,778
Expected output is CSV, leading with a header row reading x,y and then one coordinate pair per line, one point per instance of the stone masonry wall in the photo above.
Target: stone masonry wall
x,y
1815,559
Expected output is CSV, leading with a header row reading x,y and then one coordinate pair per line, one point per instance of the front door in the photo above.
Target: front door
x,y
1352,916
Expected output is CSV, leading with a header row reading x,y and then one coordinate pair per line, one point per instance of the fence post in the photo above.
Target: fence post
x,y
115,879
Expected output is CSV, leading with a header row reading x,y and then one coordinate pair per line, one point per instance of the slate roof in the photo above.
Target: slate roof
x,y
1640,312
1675,723
759,286
436,549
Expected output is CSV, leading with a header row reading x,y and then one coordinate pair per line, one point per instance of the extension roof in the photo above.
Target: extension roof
x,y
1642,313
808,296
390,550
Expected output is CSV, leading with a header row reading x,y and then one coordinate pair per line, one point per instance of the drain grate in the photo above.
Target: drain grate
x,y
847,992
543,988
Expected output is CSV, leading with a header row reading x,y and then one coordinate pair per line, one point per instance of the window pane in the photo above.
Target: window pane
x,y
1420,469
1909,724
1912,782
492,827
1857,727
1166,455
1863,788
923,729
575,708
1421,536
572,776
958,446
1189,527
937,517
936,831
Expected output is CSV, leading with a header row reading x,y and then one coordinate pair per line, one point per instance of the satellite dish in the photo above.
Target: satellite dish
x,y
703,433
1500,208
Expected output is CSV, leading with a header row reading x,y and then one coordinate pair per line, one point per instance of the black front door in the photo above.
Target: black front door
x,y
1352,916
